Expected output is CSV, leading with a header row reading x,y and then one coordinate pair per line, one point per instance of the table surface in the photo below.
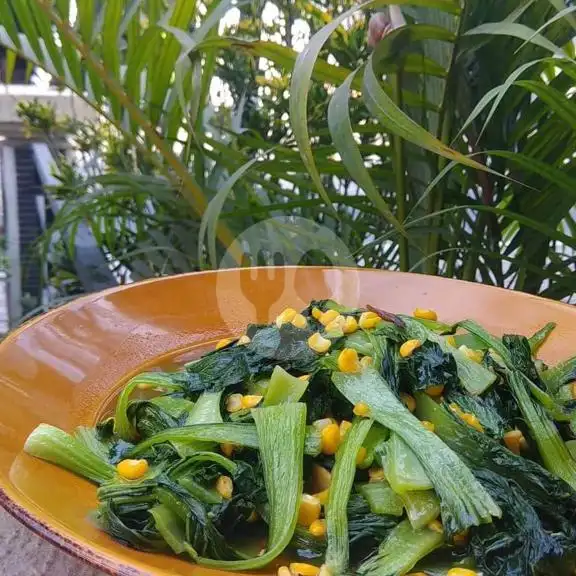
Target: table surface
x,y
22,553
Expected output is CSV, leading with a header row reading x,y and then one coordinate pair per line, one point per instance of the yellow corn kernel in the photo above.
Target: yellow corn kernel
x,y
366,361
361,456
318,343
132,469
376,475
222,343
304,377
369,320
513,440
474,355
330,439
336,324
348,361
328,316
428,425
435,391
254,517
251,400
227,449
317,313
299,321
309,511
473,421
436,526
408,401
234,403
325,571
243,340
362,409
425,314
573,390
285,316
344,427
144,386
302,569
350,325
323,497
284,571
318,528
417,574
456,409
407,349
461,572
320,478
451,341
322,423
225,487
461,539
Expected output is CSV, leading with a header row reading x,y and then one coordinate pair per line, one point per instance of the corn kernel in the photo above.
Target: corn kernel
x,y
330,439
366,362
328,316
144,386
304,377
285,316
222,343
309,510
348,361
234,403
456,409
227,449
417,574
362,409
254,517
451,341
320,478
461,572
436,526
407,349
344,427
284,571
336,325
317,313
251,400
318,528
318,343
350,325
299,321
428,425
322,423
408,401
435,391
425,314
243,340
225,487
376,475
513,440
573,390
132,469
361,456
461,539
302,569
325,571
369,320
473,421
323,497
474,355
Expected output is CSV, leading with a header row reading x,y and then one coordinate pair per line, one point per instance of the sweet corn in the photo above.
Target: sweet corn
x,y
243,340
299,321
344,427
227,449
304,377
348,361
456,409
366,361
450,340
436,526
407,349
361,456
461,572
323,497
473,421
318,343
225,487
336,324
474,355
309,511
435,391
408,401
330,439
132,469
144,386
461,539
425,314
513,440
285,316
376,475
328,316
320,479
417,574
322,423
369,320
222,343
573,390
284,571
302,569
318,528
362,409
428,425
350,325
325,571
317,313
234,403
251,400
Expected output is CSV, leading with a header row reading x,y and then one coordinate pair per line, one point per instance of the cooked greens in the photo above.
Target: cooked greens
x,y
351,440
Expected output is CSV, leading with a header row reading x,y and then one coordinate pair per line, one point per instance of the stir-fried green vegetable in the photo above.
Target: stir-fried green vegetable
x,y
344,441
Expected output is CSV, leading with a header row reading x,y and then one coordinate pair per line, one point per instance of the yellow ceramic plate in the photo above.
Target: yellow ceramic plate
x,y
66,367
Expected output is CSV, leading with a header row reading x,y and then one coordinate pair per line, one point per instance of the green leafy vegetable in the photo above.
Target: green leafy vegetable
x,y
381,498
421,507
538,339
284,388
